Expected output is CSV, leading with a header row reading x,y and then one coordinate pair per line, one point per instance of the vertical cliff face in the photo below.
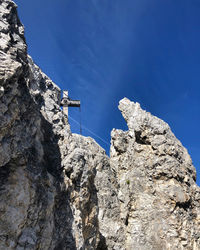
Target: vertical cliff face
x,y
30,157
159,198
48,193
59,190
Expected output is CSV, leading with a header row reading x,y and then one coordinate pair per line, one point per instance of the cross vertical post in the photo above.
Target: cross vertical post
x,y
65,105
67,102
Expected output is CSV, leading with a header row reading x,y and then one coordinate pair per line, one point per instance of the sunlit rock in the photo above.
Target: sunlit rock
x,y
60,190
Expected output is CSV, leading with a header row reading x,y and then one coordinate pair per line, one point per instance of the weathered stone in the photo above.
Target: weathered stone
x,y
156,183
60,190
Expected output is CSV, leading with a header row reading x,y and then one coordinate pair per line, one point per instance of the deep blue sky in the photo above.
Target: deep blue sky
x,y
104,50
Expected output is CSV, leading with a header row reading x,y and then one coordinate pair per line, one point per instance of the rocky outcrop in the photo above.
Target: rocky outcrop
x,y
159,198
48,194
60,190
31,203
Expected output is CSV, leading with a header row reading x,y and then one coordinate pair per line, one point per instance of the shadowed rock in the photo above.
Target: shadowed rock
x,y
60,190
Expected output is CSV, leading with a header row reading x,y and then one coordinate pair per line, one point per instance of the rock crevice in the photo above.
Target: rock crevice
x,y
60,190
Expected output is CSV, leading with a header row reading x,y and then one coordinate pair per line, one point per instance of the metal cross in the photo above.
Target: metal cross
x,y
67,102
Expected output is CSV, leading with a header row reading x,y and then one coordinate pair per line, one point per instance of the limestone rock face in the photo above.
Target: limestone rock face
x,y
31,203
93,195
60,190
48,176
159,198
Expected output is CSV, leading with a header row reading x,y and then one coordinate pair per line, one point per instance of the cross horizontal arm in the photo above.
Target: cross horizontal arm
x,y
70,103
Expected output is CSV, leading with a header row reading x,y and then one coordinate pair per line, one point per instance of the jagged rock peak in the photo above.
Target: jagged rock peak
x,y
139,120
59,190
159,199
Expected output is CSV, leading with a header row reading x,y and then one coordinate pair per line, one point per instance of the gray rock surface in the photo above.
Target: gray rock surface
x,y
159,198
47,175
60,190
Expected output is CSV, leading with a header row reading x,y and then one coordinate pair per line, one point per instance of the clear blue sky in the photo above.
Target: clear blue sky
x,y
104,50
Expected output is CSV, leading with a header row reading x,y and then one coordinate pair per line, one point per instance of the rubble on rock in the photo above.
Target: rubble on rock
x,y
60,190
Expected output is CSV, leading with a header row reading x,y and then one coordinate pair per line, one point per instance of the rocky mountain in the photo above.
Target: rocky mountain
x,y
60,190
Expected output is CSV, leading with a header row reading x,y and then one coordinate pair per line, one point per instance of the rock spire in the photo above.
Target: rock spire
x,y
60,190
